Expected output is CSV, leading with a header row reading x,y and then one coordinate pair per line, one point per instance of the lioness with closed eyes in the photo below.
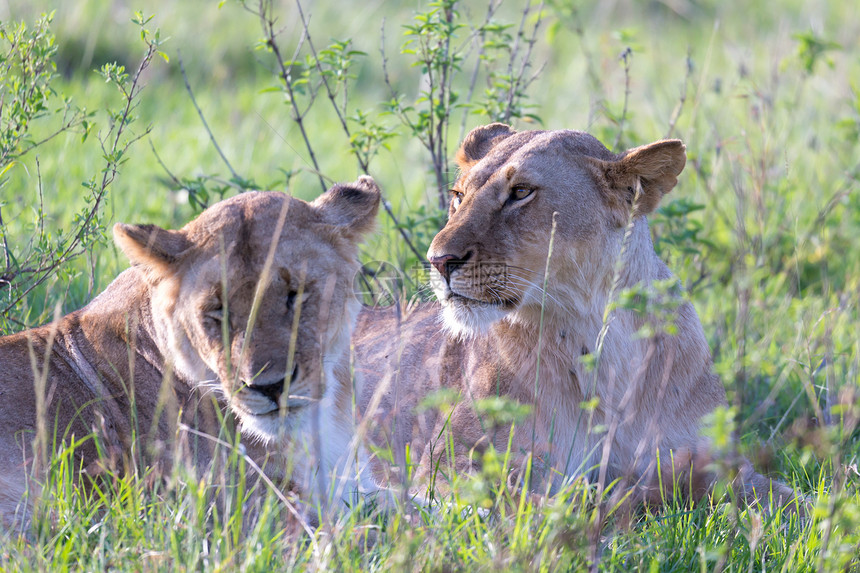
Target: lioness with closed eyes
x,y
252,299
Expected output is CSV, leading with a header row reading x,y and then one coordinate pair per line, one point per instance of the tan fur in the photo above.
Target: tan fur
x,y
505,336
274,271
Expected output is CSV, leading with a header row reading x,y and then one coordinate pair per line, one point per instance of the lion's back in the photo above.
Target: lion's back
x,y
400,360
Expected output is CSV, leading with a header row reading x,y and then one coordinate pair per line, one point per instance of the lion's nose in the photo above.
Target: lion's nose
x,y
446,264
272,389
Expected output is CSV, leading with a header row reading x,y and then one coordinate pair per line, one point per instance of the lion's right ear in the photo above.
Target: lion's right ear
x,y
651,170
351,207
150,245
479,142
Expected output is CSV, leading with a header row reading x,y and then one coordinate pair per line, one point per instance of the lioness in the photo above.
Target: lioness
x,y
267,274
504,334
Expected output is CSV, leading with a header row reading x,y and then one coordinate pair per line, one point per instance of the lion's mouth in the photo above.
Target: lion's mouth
x,y
470,289
259,398
461,299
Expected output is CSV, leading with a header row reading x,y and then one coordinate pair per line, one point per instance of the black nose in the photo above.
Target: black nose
x,y
446,264
273,390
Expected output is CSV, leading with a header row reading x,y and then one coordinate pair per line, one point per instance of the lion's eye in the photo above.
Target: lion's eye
x,y
291,299
214,316
519,193
456,198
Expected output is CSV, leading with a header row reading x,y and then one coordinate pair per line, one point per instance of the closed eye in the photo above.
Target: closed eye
x,y
213,317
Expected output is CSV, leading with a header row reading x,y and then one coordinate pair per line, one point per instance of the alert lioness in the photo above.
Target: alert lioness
x,y
503,334
253,299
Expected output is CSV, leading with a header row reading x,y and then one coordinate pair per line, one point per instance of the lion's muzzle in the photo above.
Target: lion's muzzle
x,y
271,389
447,264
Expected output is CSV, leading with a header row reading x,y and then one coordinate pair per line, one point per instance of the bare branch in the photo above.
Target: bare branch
x,y
597,94
398,109
478,36
179,184
625,56
676,113
329,91
203,119
6,254
515,85
267,21
41,201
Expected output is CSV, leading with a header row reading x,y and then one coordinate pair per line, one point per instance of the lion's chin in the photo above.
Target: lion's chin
x,y
465,318
268,427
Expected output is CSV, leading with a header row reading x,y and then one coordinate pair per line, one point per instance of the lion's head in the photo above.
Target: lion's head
x,y
255,294
490,258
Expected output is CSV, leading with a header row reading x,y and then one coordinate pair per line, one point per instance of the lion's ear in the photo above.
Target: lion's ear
x,y
652,168
150,245
479,142
351,207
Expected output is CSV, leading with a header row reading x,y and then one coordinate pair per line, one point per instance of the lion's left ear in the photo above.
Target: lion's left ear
x,y
479,142
351,207
654,167
150,245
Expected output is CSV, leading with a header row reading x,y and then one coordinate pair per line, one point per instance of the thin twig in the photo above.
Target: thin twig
x,y
514,87
676,113
329,92
395,100
5,244
41,201
64,127
434,136
445,84
526,61
363,165
178,184
625,56
203,119
170,174
478,36
597,93
288,144
387,206
267,22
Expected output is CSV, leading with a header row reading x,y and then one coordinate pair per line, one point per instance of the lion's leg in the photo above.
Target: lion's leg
x,y
771,494
15,504
692,476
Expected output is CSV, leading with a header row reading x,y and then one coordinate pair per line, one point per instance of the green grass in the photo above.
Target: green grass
x,y
763,229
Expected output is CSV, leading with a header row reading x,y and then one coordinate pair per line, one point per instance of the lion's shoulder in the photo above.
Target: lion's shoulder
x,y
380,327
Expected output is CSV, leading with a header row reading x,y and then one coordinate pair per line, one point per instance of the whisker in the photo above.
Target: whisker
x,y
207,391
495,295
521,282
572,260
305,398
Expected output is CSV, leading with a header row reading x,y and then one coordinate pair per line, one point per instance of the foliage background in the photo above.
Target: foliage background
x,y
763,229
